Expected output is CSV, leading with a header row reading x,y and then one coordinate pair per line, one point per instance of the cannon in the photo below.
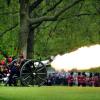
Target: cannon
x,y
33,72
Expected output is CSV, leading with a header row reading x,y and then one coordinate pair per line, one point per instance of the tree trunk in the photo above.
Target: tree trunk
x,y
30,46
24,27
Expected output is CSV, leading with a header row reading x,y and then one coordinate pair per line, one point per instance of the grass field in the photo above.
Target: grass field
x,y
49,93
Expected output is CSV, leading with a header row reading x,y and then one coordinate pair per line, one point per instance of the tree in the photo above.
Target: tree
x,y
35,13
29,23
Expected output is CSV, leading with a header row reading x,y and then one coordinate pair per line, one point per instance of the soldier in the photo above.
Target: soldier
x,y
79,79
83,79
99,79
91,80
96,80
70,79
14,69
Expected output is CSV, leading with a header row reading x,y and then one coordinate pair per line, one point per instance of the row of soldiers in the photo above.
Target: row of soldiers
x,y
81,79
74,79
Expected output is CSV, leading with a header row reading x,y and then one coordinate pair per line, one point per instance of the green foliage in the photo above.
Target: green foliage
x,y
8,18
97,69
68,33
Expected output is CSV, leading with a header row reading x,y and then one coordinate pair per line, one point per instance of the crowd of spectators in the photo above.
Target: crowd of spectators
x,y
74,79
4,67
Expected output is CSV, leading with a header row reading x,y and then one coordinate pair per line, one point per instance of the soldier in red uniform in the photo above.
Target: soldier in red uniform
x,y
79,79
83,79
91,80
96,80
70,79
99,78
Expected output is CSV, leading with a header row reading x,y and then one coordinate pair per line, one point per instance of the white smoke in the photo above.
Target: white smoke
x,y
83,58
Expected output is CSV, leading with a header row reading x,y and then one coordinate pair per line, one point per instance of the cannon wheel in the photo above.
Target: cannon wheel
x,y
33,73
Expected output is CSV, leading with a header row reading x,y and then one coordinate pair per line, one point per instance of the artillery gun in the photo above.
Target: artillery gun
x,y
33,72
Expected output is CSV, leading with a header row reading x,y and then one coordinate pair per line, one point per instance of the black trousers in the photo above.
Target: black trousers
x,y
12,80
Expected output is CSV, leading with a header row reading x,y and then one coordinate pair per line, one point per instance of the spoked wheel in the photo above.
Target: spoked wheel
x,y
33,73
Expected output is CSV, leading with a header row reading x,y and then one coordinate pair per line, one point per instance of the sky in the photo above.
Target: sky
x,y
85,57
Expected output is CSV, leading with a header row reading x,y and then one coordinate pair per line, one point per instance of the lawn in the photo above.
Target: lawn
x,y
49,93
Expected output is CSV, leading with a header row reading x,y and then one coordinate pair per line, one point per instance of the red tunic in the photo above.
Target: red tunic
x,y
81,79
92,81
70,79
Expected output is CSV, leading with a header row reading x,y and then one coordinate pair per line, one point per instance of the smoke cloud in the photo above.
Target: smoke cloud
x,y
83,58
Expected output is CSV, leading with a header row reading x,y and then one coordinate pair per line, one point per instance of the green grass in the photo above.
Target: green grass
x,y
49,93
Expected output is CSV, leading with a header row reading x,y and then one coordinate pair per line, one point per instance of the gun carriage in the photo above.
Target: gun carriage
x,y
33,72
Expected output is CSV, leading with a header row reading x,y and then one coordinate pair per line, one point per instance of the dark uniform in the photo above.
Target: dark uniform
x,y
14,71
